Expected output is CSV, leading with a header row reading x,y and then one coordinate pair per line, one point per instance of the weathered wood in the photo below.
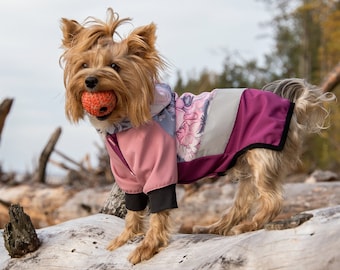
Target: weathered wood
x,y
60,165
40,172
52,204
115,203
81,244
5,108
20,237
321,176
5,203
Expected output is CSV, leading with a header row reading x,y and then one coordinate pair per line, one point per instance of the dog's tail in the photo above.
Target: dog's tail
x,y
310,110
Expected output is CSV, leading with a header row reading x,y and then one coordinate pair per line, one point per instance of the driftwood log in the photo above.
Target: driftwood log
x,y
115,203
19,235
80,244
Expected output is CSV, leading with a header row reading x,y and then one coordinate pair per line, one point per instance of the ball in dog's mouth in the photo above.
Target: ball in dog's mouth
x,y
99,104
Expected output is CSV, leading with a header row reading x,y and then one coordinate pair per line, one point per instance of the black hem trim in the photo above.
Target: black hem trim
x,y
163,199
136,202
268,146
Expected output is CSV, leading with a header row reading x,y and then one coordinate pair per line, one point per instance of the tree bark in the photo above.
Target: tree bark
x,y
19,235
115,203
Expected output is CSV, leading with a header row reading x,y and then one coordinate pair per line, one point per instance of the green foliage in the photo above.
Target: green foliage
x,y
306,36
236,73
322,151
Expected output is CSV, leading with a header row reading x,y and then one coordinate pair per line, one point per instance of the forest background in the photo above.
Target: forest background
x,y
306,45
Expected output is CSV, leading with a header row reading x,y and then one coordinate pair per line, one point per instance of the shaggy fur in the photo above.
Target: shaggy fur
x,y
130,67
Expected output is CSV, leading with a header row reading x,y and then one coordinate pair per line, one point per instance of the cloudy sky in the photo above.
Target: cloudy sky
x,y
192,35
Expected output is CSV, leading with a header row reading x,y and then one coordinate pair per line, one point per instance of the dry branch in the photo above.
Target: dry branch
x,y
45,155
5,108
60,165
69,159
332,80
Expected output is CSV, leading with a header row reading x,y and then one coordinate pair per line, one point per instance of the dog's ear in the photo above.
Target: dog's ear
x,y
142,40
70,29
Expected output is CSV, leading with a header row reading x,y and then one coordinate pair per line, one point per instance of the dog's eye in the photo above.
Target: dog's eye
x,y
84,65
115,67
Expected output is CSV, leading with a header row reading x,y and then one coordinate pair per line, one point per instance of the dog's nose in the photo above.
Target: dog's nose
x,y
91,82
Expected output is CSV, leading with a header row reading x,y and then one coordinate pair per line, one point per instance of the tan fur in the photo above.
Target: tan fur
x,y
260,172
134,226
90,49
156,237
94,47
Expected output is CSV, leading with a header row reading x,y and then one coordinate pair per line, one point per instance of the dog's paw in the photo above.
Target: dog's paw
x,y
243,228
212,229
143,252
115,243
124,238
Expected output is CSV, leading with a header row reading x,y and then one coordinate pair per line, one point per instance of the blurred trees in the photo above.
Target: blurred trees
x,y
306,37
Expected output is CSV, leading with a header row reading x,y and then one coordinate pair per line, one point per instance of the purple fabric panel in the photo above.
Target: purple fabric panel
x,y
191,171
115,147
262,121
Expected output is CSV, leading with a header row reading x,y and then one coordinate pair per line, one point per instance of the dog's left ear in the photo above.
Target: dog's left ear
x,y
142,40
70,29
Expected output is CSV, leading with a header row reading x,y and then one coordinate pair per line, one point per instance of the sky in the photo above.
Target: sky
x,y
192,35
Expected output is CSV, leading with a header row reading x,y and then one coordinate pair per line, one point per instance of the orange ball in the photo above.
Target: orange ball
x,y
98,103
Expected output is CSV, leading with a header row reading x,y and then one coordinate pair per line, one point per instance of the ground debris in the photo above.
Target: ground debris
x,y
20,237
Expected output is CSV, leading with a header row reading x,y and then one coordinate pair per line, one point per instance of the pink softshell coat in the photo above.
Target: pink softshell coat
x,y
191,137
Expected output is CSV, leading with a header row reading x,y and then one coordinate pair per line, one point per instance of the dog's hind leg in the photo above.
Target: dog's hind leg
x,y
239,211
156,237
267,176
134,226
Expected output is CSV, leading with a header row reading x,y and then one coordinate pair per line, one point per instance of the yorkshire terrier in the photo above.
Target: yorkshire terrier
x,y
156,139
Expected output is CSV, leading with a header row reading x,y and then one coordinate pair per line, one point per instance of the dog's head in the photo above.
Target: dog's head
x,y
109,79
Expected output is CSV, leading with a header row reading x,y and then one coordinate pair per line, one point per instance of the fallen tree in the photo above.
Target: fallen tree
x,y
80,244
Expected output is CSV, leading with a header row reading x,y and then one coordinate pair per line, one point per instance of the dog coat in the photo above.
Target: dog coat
x,y
191,137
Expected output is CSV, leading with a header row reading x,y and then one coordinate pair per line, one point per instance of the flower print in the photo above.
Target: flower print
x,y
191,117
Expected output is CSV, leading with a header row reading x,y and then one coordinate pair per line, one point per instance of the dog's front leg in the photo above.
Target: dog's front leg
x,y
134,225
156,238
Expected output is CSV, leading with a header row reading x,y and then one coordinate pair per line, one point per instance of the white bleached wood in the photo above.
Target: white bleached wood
x,y
80,244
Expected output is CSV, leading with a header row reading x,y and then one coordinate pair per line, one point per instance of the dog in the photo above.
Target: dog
x,y
156,139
